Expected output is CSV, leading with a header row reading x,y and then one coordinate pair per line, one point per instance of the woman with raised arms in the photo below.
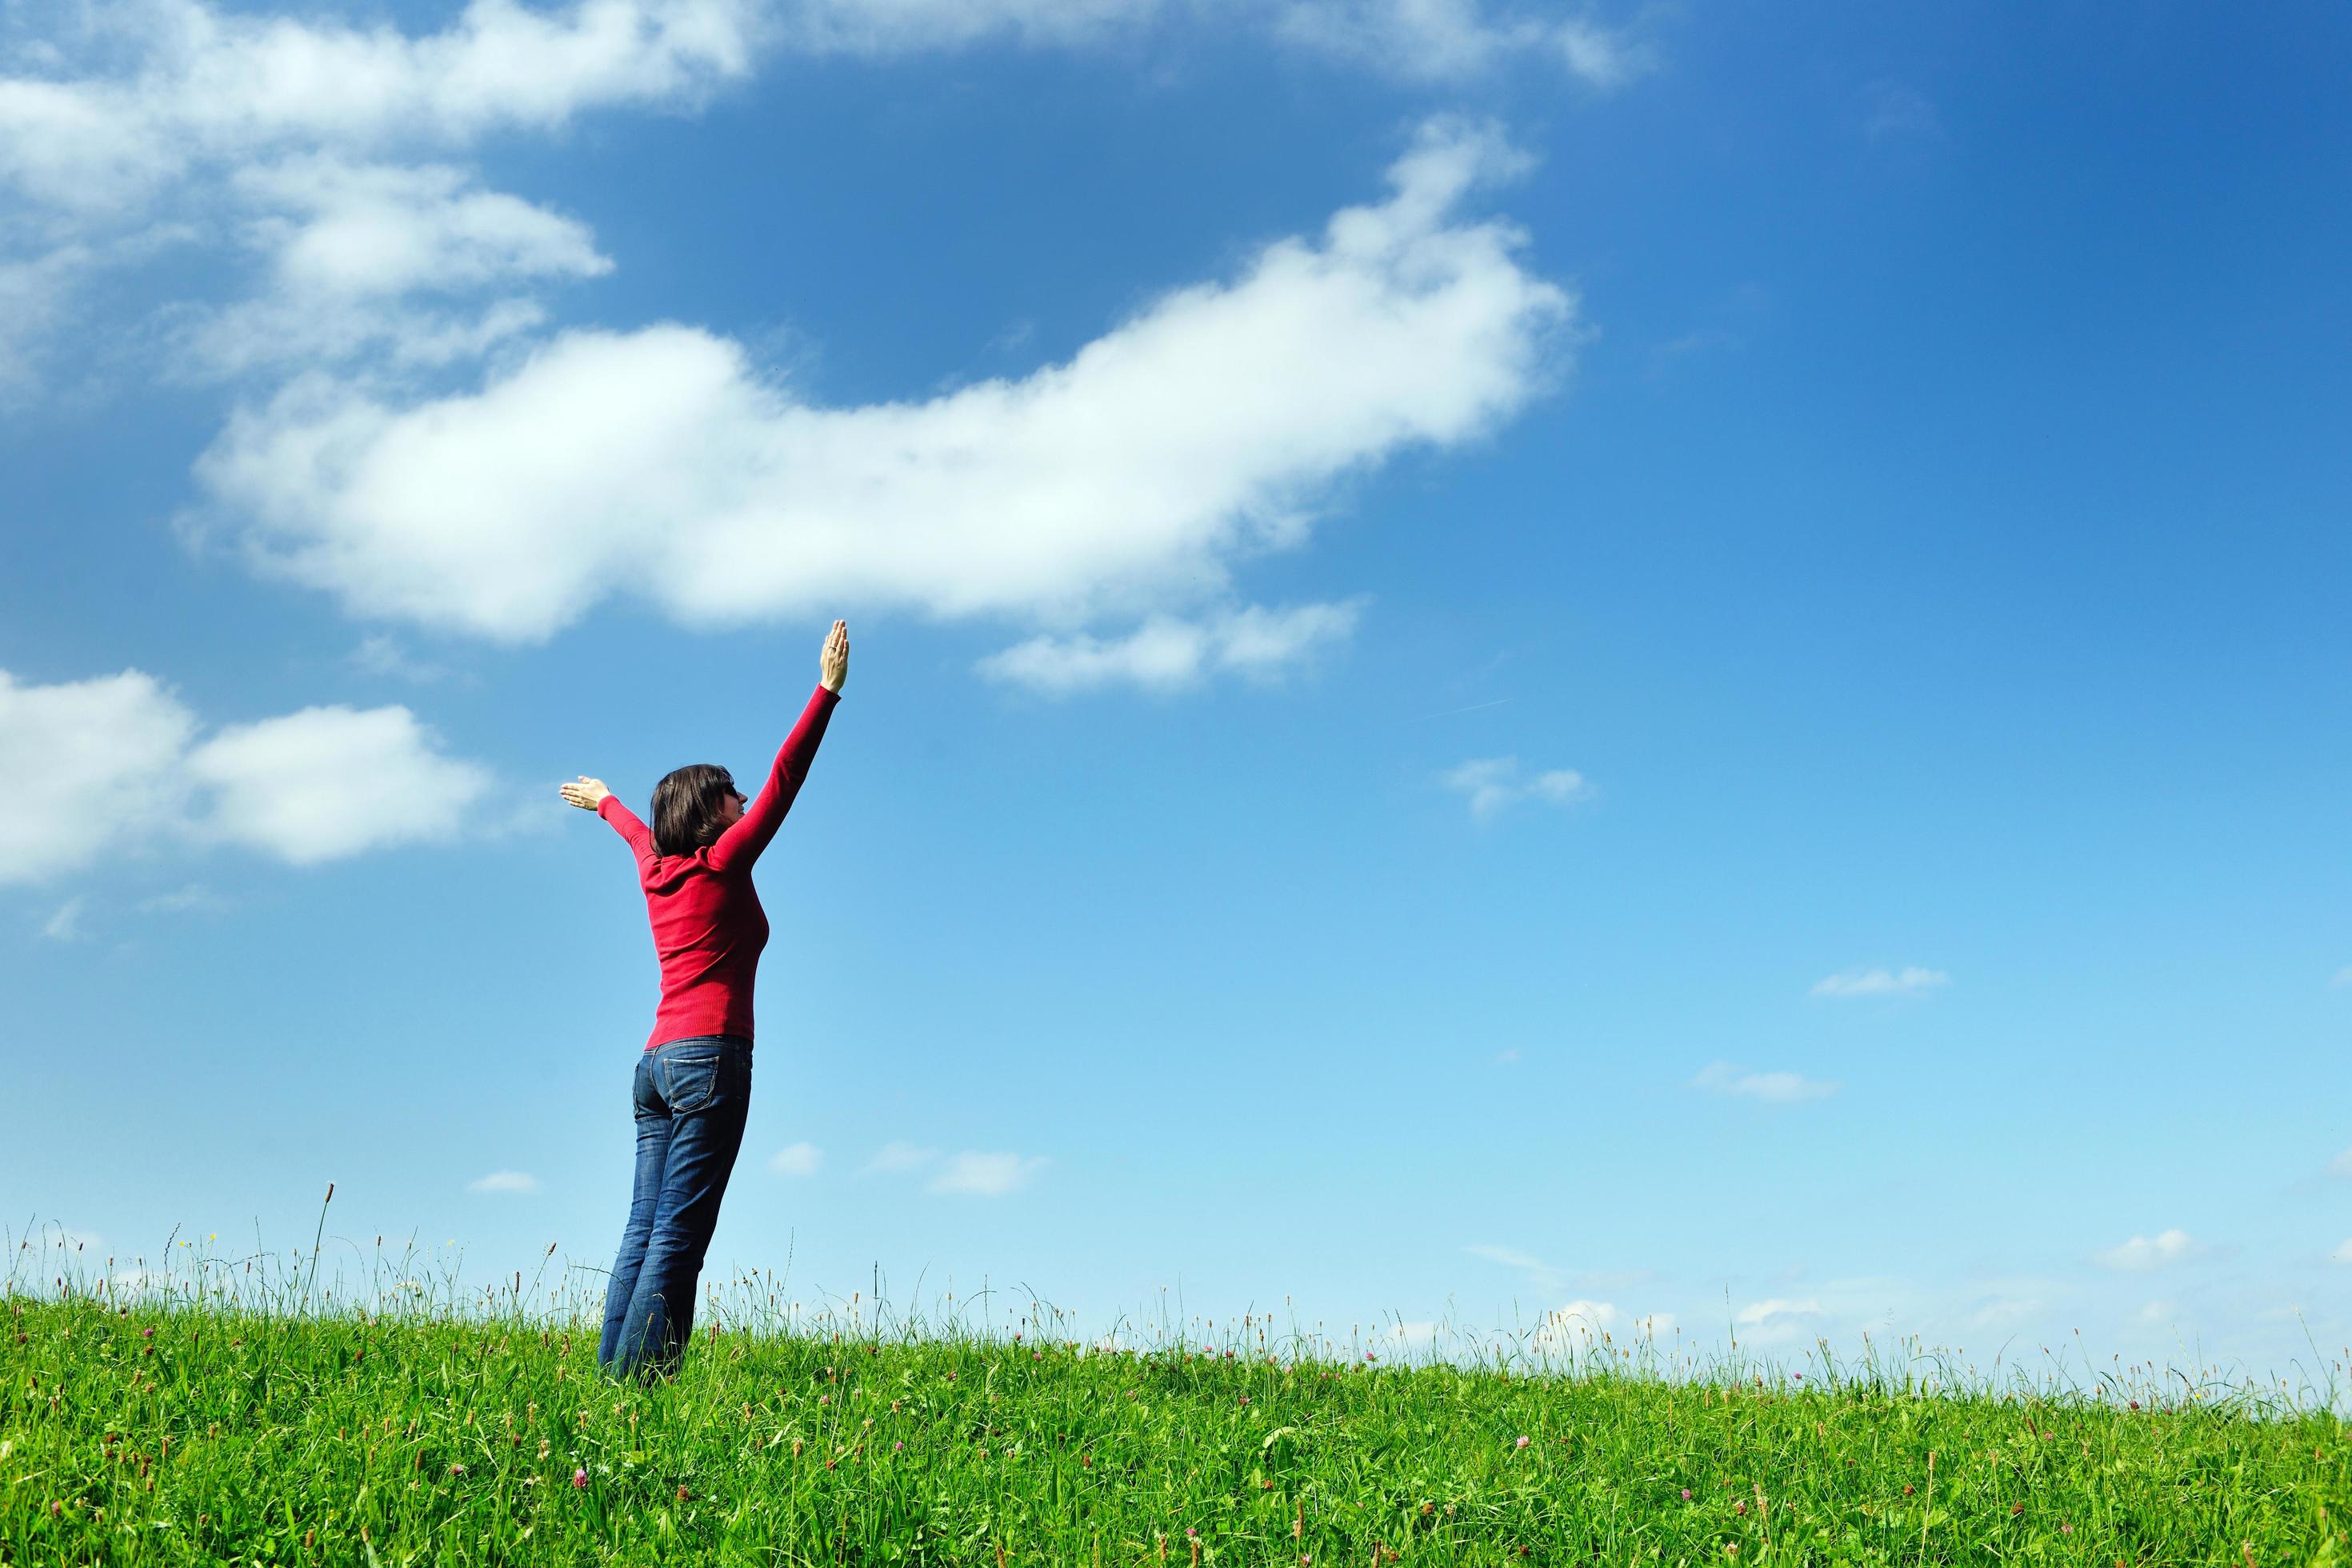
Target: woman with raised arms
x,y
694,1080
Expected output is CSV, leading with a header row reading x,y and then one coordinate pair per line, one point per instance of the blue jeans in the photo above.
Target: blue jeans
x,y
691,1098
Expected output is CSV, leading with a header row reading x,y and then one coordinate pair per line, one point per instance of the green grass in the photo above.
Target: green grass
x,y
190,1425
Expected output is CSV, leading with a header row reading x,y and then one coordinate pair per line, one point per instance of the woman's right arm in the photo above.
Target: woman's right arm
x,y
590,795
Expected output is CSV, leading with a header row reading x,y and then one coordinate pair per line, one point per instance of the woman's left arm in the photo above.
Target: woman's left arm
x,y
740,845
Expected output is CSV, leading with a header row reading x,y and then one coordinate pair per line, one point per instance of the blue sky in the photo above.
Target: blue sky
x,y
1673,662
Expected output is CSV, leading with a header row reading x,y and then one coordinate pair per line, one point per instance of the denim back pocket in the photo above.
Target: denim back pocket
x,y
691,1077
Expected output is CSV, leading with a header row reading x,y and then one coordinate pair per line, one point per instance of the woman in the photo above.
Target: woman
x,y
694,1080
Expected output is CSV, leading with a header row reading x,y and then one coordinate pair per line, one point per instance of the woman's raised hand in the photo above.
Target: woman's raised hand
x,y
833,660
587,794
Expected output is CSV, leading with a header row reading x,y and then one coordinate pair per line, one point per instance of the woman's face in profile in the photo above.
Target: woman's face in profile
x,y
731,805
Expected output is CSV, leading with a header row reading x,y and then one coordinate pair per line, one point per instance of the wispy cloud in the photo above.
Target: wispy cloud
x,y
504,1181
1772,1088
898,1155
1543,1277
2142,1253
2343,1253
1895,111
64,925
380,653
1905,982
1492,784
194,899
2341,1166
987,1175
2341,977
1167,653
797,1160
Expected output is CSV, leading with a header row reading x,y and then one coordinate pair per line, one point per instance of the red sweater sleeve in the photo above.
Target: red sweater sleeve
x,y
740,845
624,823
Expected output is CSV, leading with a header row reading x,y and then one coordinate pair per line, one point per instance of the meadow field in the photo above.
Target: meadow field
x,y
221,1413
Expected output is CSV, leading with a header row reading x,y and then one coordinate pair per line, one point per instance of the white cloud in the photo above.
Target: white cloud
x,y
1905,982
1169,654
2341,1166
143,93
986,1175
1454,39
64,925
2341,977
1773,1321
2343,1253
331,782
797,1160
1578,1324
1493,782
209,85
378,231
85,766
328,144
93,766
348,243
1773,1088
504,1181
1418,40
2142,1253
656,463
899,1155
1577,1321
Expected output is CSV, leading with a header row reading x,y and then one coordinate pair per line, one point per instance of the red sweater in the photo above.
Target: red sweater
x,y
708,924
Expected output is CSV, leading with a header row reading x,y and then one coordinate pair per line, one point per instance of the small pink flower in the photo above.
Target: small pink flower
x,y
580,1481
896,1446
1522,1442
1244,1399
457,1469
1686,1494
2064,1528
824,1399
1037,1355
1740,1507
147,1333
1369,1356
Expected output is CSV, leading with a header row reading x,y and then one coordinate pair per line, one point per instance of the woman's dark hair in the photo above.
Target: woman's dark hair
x,y
686,807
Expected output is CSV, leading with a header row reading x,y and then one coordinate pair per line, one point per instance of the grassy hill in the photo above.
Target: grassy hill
x,y
134,1435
